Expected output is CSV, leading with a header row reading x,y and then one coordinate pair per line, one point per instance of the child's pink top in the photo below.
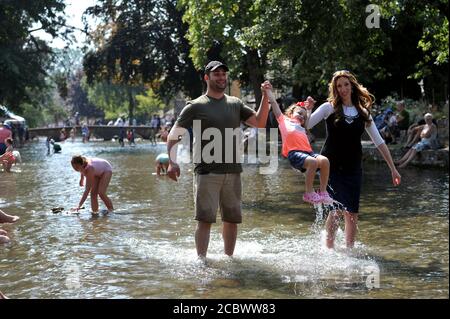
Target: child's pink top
x,y
100,166
293,136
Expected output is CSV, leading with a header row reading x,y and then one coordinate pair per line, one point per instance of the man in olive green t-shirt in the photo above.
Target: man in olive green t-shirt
x,y
215,118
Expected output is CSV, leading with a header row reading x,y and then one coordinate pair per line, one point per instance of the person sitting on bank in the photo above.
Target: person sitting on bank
x,y
388,131
428,139
402,117
413,133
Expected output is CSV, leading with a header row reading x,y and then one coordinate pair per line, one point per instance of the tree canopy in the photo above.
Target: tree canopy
x,y
24,58
142,53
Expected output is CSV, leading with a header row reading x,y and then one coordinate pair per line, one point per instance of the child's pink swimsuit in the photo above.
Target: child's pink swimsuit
x,y
100,166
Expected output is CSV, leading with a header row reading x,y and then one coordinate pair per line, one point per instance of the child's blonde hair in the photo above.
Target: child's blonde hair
x,y
290,110
79,160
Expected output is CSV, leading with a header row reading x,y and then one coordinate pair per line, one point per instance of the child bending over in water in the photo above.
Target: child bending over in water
x,y
98,173
162,163
297,149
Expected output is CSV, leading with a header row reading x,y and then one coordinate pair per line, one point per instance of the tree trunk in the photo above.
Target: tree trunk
x,y
256,74
297,92
131,105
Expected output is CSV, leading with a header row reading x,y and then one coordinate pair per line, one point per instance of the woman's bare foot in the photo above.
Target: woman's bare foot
x,y
5,218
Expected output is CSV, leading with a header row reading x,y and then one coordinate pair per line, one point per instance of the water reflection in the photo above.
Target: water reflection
x,y
146,248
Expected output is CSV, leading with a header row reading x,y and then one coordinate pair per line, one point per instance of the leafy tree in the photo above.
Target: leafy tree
x,y
301,43
77,97
217,31
24,58
112,99
148,103
141,42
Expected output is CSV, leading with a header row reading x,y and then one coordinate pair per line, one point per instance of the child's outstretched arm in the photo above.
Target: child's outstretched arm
x,y
87,190
273,103
81,180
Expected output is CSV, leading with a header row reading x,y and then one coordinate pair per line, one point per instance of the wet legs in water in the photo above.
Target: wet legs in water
x,y
229,235
99,189
332,223
202,233
202,238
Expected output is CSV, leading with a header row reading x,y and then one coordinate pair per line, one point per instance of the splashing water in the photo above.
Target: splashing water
x,y
146,249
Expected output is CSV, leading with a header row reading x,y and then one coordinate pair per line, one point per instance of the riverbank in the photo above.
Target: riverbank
x,y
428,158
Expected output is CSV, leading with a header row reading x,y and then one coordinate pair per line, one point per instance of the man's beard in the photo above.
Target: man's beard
x,y
217,87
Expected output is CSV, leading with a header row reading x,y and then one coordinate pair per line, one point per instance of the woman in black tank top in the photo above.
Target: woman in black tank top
x,y
351,104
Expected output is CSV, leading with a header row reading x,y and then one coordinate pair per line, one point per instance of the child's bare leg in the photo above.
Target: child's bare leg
x,y
94,196
2,296
102,187
324,166
311,166
107,201
5,218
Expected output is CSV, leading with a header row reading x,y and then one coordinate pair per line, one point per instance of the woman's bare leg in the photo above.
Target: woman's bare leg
x,y
351,228
331,226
